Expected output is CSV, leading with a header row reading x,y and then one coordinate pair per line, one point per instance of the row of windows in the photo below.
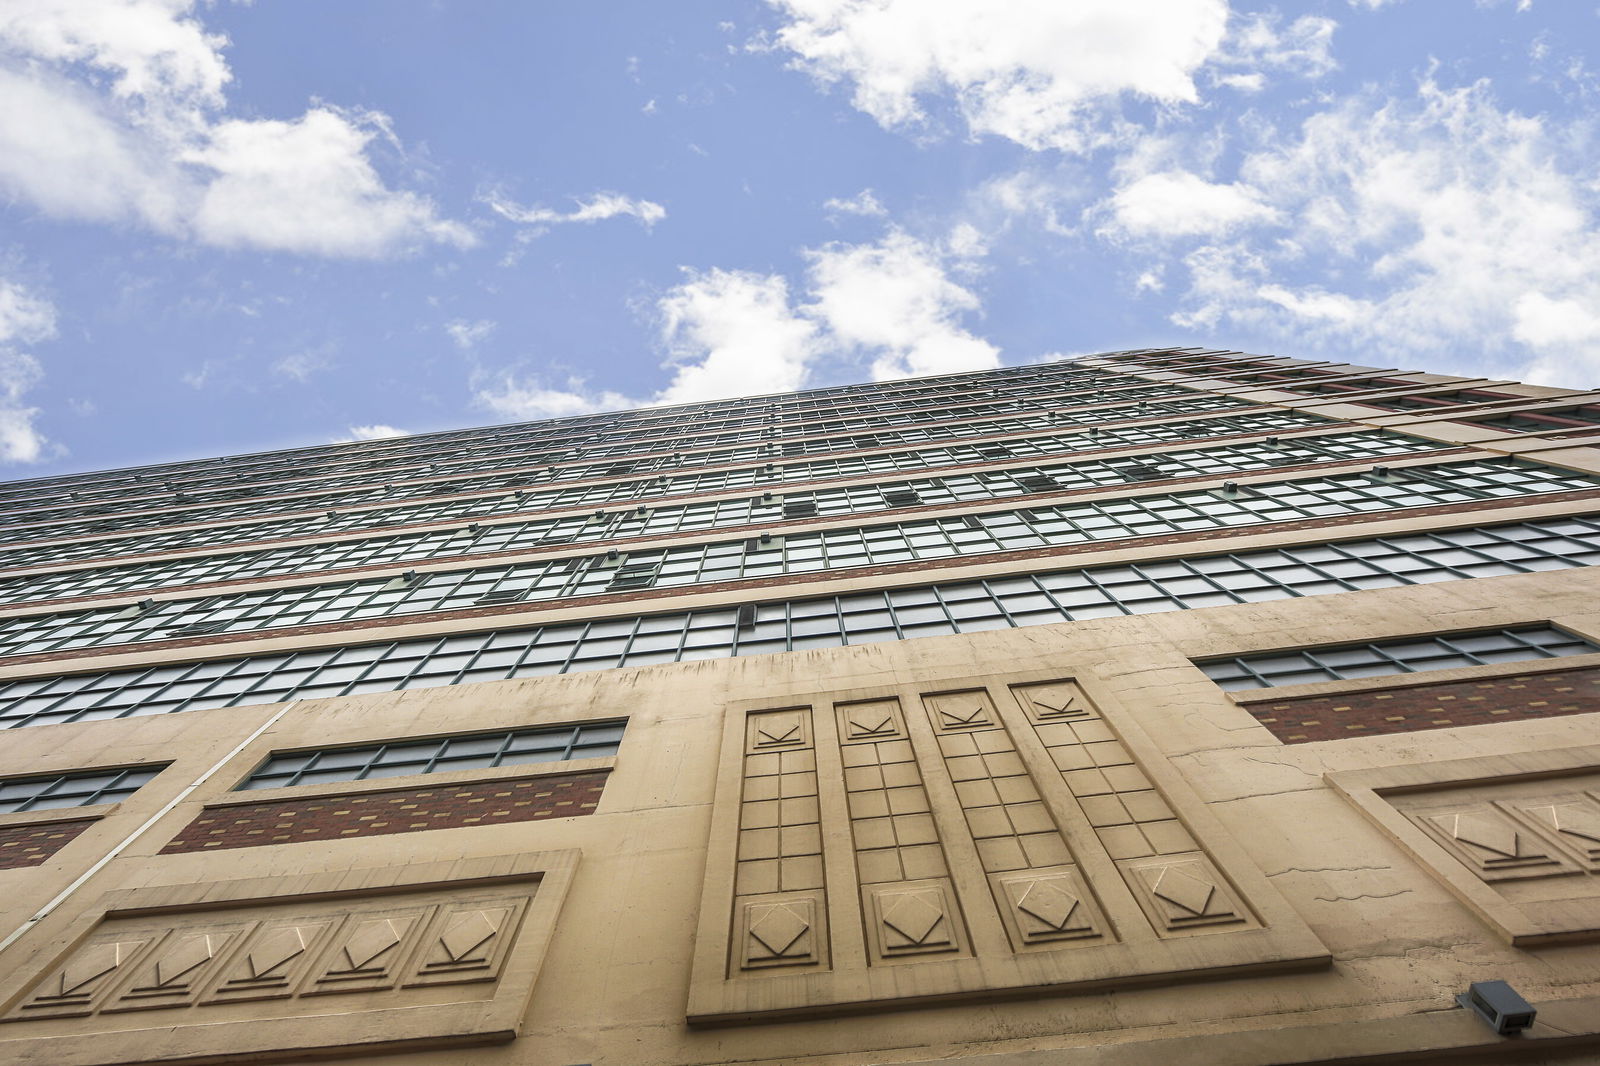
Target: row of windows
x,y
853,398
1405,655
78,789
1426,401
167,492
768,509
108,522
1207,362
1184,583
634,491
402,758
437,755
795,553
1545,421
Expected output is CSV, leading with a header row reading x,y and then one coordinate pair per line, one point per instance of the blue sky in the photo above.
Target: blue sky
x,y
227,227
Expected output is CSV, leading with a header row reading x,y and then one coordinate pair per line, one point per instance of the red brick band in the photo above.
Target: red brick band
x,y
32,844
401,811
1440,706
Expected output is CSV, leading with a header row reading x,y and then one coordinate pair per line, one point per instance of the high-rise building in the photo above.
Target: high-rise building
x,y
1169,706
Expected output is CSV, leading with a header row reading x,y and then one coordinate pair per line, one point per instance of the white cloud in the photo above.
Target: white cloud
x,y
1031,196
1245,83
894,301
377,431
1545,323
154,145
1038,72
303,365
733,333
727,333
467,335
1180,204
25,318
1304,47
1439,224
598,208
516,399
309,186
862,203
739,333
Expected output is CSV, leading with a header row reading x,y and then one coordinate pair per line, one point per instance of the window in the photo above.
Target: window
x,y
473,751
82,788
1403,655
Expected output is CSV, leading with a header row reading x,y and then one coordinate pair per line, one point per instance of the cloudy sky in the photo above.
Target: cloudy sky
x,y
228,226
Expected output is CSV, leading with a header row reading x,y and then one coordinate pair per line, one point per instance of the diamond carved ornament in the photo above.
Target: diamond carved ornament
x,y
778,928
465,938
274,951
371,939
1050,905
188,955
875,725
1184,890
911,915
1058,707
1481,831
1573,819
89,966
972,716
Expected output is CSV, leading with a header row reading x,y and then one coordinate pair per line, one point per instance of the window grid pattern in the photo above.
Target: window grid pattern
x,y
1407,655
437,755
794,553
191,491
767,411
637,490
1184,583
104,520
81,788
693,516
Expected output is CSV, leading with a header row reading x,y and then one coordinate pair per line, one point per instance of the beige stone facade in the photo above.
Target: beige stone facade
x,y
1033,844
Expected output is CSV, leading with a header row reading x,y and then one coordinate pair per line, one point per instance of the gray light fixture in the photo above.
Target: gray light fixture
x,y
1499,1005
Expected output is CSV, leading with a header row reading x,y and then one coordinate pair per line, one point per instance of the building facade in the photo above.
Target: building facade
x,y
1164,706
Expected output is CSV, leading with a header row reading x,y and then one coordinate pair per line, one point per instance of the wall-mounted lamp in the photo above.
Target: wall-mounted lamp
x,y
1499,1005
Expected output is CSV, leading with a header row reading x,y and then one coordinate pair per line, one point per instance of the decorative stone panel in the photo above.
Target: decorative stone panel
x,y
1516,839
779,911
240,969
971,838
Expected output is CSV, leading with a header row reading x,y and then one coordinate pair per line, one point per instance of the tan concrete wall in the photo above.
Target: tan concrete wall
x,y
615,983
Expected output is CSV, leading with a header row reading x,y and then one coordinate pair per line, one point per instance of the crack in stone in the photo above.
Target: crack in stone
x,y
1362,895
1325,870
